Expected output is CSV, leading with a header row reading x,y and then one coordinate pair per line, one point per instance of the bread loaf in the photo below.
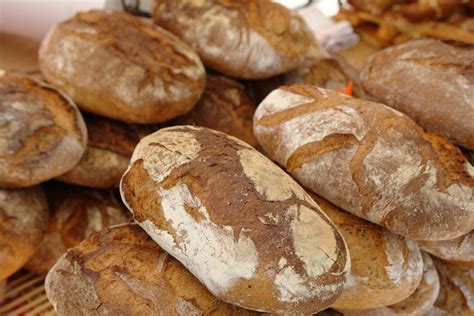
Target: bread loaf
x,y
42,133
120,66
437,89
122,271
75,213
419,303
369,160
108,153
225,106
385,268
23,222
3,286
252,39
459,250
241,225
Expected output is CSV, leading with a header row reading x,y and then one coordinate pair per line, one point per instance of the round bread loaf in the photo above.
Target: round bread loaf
x,y
239,223
459,250
75,213
385,268
23,222
108,153
225,106
42,133
418,304
437,89
122,271
120,66
456,294
252,39
369,160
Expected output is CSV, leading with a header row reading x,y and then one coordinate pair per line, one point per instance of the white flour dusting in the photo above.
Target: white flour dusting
x,y
279,100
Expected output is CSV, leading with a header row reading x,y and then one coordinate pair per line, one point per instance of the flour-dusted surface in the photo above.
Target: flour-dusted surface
x,y
458,250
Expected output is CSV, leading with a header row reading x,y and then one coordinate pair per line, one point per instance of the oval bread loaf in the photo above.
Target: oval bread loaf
x,y
120,66
42,133
122,271
385,268
369,160
23,222
239,223
252,39
437,89
459,250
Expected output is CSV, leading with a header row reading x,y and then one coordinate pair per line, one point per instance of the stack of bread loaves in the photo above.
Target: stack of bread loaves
x,y
368,196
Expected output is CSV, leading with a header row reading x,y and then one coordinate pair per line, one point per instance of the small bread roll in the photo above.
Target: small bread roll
x,y
239,223
122,271
225,106
23,222
42,133
459,250
75,213
253,39
108,153
123,67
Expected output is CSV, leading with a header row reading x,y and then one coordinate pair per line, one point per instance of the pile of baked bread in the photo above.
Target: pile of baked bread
x,y
315,199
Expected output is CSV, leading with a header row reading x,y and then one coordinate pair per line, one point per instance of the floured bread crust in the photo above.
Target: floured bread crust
x,y
385,268
370,160
250,39
42,133
459,250
120,66
241,225
75,213
122,271
23,222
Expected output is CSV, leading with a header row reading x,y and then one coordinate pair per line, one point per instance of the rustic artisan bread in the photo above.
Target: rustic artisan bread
x,y
75,213
251,39
430,81
108,153
42,133
369,160
122,67
385,268
241,225
226,106
419,303
122,271
456,294
459,250
23,222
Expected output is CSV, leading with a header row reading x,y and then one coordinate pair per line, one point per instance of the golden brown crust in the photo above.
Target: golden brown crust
x,y
42,133
459,250
120,66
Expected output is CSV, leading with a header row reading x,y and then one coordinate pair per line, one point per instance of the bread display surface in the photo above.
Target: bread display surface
x,y
235,220
437,90
251,39
42,133
23,222
369,160
120,66
459,250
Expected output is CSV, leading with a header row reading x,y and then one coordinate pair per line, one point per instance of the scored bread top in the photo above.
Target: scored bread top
x,y
370,160
235,220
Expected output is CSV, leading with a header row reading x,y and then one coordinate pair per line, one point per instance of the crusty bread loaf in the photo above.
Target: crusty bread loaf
x,y
42,133
430,81
469,154
122,271
252,39
108,153
459,250
456,294
385,268
375,7
239,223
75,213
23,222
226,106
120,66
369,160
418,304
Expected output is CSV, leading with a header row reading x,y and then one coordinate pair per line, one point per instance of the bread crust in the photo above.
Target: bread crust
x,y
42,133
459,250
120,66
369,160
